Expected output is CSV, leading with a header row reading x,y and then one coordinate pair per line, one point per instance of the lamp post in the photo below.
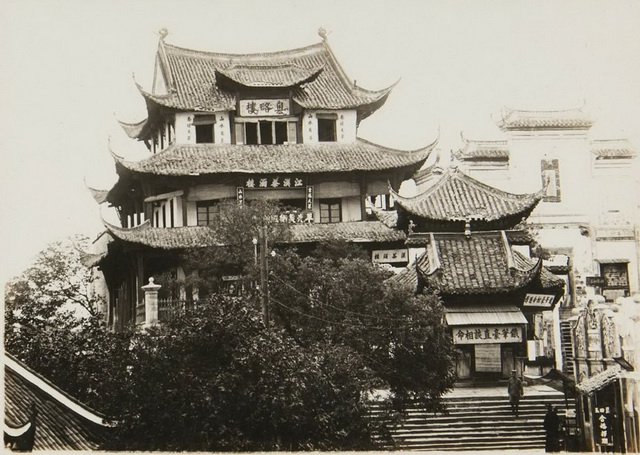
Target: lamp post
x,y
264,276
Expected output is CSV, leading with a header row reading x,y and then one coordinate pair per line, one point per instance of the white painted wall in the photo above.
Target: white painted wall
x,y
346,128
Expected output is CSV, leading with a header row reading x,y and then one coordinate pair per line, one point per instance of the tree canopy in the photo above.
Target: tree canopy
x,y
217,377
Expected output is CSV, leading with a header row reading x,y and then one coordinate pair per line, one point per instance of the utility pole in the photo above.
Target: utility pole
x,y
264,276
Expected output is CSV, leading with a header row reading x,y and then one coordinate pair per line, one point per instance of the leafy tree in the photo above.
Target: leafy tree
x,y
216,378
346,302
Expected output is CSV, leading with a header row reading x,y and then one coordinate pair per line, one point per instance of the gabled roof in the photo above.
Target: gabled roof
x,y
263,75
612,148
479,263
513,119
62,423
455,196
360,155
203,236
191,79
475,150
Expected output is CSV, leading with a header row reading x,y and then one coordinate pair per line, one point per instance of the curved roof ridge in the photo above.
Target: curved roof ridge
x,y
133,130
99,195
195,52
469,198
303,75
426,148
55,392
477,183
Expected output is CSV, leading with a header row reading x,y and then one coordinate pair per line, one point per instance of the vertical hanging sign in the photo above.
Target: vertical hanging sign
x,y
240,195
309,198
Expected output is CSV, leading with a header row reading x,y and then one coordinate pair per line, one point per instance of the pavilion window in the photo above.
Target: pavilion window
x,y
208,212
265,132
327,127
330,210
204,125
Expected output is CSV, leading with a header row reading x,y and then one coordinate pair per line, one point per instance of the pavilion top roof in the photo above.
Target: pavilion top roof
x,y
455,196
198,80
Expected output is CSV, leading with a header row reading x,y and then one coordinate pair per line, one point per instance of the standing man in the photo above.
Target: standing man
x,y
515,391
552,430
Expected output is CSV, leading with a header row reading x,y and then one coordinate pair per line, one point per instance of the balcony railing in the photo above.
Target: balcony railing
x,y
168,310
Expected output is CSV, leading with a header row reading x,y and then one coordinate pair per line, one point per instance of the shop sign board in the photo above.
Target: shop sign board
x,y
274,181
538,300
603,426
389,256
596,281
487,334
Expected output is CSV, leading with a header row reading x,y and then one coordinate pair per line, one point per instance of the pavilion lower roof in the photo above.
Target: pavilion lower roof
x,y
480,263
196,159
203,236
455,196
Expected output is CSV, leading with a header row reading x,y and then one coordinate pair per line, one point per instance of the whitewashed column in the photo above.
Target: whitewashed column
x,y
151,303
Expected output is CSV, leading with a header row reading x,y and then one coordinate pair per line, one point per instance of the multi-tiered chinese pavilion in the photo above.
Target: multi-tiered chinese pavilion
x,y
279,126
464,247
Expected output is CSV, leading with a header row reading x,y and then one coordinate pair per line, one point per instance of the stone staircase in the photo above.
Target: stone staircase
x,y
477,421
567,347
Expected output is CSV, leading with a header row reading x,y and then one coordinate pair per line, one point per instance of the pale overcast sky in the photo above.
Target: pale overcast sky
x,y
67,66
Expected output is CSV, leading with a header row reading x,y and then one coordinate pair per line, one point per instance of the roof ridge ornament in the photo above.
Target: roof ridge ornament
x,y
322,33
163,32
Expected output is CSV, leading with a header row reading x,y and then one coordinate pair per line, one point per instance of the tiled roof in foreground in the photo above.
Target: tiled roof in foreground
x,y
360,155
480,263
203,236
62,423
456,196
513,119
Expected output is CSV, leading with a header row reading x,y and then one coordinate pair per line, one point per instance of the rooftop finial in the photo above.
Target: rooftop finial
x,y
163,33
323,33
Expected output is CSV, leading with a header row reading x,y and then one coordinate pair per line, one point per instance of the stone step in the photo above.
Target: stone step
x,y
474,422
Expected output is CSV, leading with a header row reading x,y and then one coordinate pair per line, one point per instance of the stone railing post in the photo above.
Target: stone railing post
x,y
151,303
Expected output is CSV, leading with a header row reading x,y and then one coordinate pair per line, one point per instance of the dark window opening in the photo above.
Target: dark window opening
x,y
330,211
251,133
266,132
204,134
208,212
281,131
326,130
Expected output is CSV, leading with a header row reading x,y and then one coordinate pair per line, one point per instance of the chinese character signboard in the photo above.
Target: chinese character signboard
x,y
389,256
594,281
273,181
603,426
264,108
240,195
538,300
487,334
550,180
